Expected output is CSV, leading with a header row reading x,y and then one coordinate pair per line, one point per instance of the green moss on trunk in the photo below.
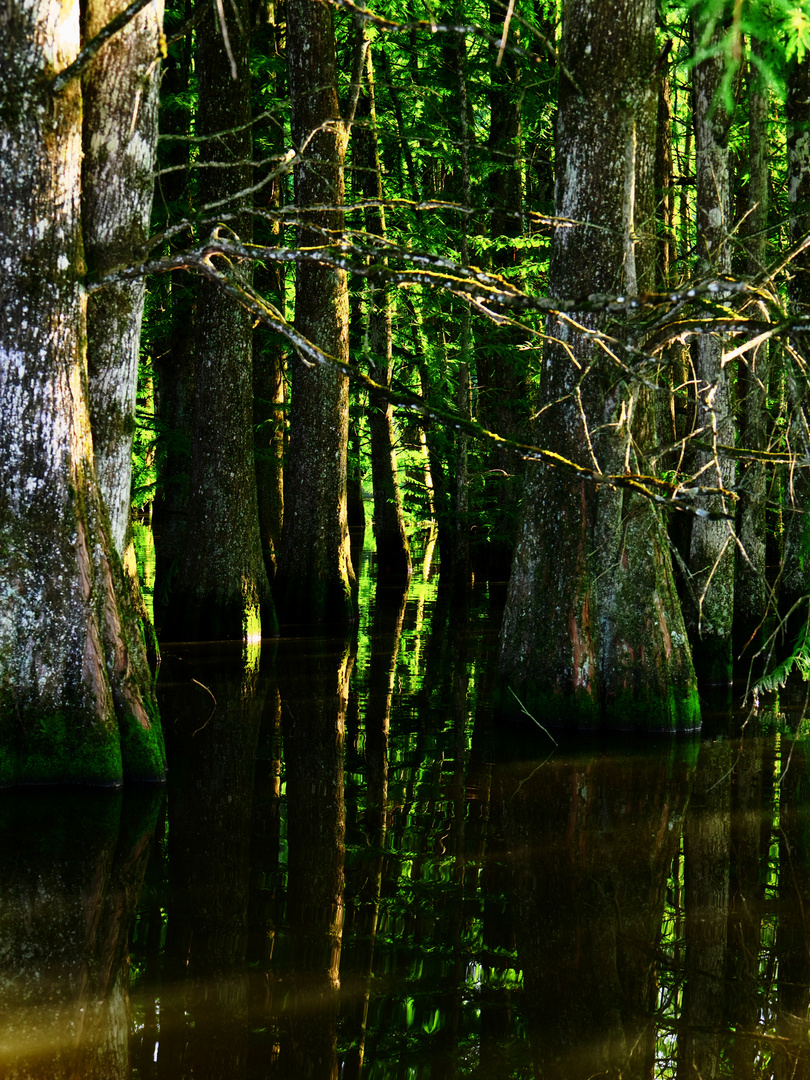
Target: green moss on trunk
x,y
60,748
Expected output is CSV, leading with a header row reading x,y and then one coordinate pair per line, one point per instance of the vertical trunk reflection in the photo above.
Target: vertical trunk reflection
x,y
591,841
71,869
314,697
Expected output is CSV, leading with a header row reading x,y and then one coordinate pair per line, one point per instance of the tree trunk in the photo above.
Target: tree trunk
x,y
315,579
391,540
794,580
269,425
504,394
269,418
664,187
75,691
592,629
711,556
751,591
120,97
172,347
462,568
221,588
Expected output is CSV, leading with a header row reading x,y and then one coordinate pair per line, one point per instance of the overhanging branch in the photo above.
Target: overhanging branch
x,y
93,47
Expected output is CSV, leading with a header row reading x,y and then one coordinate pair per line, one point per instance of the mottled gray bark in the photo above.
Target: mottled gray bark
x,y
664,183
712,551
270,426
221,588
120,95
592,629
315,580
75,691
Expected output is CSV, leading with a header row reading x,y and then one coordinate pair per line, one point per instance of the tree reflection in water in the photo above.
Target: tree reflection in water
x,y
590,844
71,868
360,875
314,697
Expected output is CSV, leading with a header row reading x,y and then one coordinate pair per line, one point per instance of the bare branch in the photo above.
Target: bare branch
x,y
92,48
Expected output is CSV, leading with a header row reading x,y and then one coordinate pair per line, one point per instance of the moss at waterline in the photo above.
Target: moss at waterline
x,y
546,708
143,754
71,747
61,747
676,710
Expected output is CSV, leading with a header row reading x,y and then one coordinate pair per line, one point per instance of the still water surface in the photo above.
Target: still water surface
x,y
354,873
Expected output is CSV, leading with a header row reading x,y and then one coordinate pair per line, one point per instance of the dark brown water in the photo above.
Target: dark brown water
x,y
354,873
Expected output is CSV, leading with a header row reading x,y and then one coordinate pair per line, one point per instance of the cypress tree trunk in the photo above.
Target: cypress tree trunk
x,y
592,629
221,589
711,556
391,540
664,187
75,690
503,390
269,425
794,580
269,419
462,567
120,97
751,587
315,580
172,351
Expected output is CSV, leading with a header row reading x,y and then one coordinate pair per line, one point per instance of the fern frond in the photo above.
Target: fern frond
x,y
799,659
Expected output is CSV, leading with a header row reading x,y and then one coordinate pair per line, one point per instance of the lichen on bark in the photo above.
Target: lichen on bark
x,y
74,682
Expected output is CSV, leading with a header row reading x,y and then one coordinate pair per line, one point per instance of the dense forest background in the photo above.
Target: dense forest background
x,y
382,185
533,278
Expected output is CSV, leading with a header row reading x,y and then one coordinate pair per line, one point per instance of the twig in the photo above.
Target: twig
x,y
526,712
212,711
89,52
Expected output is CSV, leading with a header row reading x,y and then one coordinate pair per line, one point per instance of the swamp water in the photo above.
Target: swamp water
x,y
353,873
